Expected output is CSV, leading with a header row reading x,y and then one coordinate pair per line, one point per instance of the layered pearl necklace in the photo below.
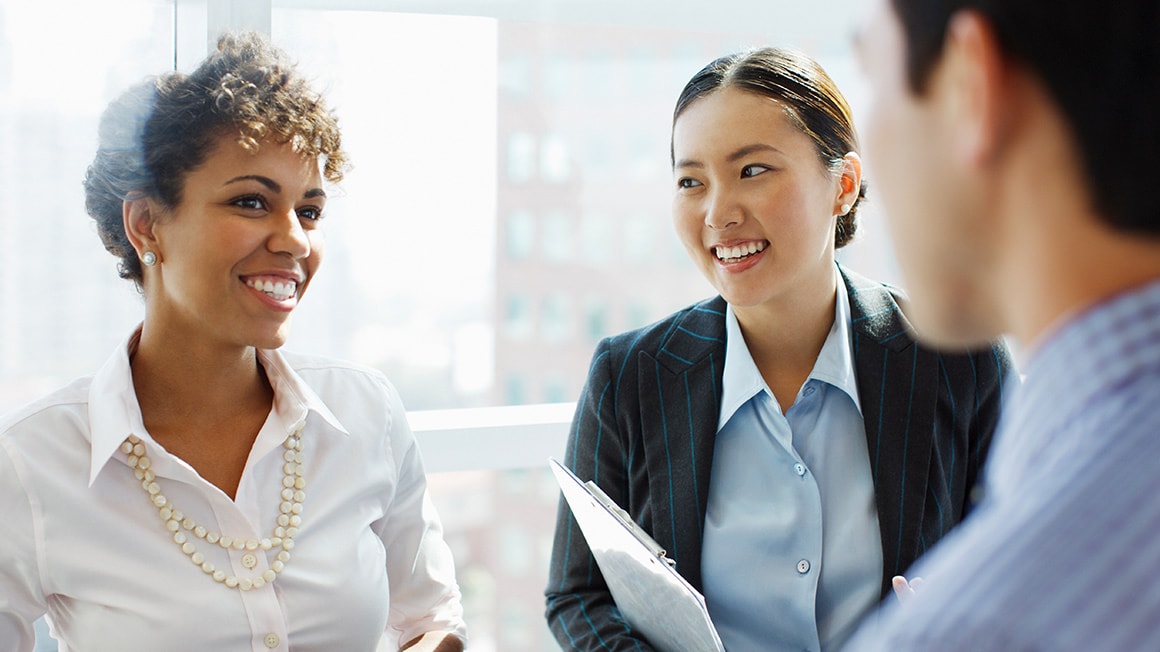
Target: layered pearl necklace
x,y
177,523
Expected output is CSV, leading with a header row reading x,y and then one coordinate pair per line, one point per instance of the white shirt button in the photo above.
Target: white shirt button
x,y
803,567
249,560
272,640
799,469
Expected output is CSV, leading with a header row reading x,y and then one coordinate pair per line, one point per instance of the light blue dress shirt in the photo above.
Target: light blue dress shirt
x,y
1063,553
792,554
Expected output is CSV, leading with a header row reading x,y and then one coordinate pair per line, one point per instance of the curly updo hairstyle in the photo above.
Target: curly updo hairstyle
x,y
158,131
811,100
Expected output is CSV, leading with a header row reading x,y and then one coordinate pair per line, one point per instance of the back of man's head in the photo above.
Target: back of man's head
x,y
1100,62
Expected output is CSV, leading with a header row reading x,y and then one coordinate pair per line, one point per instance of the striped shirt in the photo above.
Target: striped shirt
x,y
1064,551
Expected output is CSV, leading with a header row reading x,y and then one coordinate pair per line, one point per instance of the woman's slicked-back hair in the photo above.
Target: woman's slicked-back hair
x,y
809,96
157,132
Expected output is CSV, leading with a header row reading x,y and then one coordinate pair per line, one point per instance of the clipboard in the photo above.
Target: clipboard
x,y
651,595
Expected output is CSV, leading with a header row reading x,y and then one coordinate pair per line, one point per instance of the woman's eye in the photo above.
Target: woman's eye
x,y
752,170
250,202
687,183
312,213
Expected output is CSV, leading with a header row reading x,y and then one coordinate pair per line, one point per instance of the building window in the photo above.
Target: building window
x,y
521,234
555,162
514,76
518,323
521,157
640,235
639,314
557,319
557,237
556,391
596,320
516,391
596,239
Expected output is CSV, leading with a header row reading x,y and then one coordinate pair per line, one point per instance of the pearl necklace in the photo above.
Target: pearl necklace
x,y
288,522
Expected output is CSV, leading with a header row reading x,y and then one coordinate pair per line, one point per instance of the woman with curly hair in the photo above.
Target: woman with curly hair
x,y
203,490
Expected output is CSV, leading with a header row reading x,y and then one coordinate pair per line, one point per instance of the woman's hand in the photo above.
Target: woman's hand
x,y
434,642
905,590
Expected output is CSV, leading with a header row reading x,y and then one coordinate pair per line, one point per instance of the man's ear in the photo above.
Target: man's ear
x,y
139,215
973,80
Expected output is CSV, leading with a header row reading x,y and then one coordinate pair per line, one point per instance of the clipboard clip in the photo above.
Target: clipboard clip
x,y
631,525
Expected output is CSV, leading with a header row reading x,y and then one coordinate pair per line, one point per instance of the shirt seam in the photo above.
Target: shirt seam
x,y
35,513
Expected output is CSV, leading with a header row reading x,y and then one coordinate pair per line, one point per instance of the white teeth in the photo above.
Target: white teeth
x,y
280,291
733,254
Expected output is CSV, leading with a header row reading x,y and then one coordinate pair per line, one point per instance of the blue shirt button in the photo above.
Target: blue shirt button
x,y
799,469
803,566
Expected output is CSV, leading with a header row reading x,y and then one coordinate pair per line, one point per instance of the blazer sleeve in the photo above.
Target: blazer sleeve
x,y
580,610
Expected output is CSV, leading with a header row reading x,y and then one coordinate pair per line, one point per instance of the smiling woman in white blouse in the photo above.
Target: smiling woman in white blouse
x,y
203,490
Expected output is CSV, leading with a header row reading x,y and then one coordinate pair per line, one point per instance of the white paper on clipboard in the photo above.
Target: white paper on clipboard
x,y
650,594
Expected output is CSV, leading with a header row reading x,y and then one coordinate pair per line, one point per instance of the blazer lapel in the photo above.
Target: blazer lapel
x,y
680,390
898,391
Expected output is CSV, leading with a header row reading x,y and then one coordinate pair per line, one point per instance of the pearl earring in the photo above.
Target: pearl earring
x,y
845,208
149,258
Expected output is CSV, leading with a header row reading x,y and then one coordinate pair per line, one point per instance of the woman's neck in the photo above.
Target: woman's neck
x,y
784,337
184,380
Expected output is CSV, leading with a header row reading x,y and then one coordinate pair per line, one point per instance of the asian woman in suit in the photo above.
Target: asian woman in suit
x,y
788,442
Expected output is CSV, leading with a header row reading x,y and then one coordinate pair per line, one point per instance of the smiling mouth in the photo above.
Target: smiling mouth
x,y
279,290
739,252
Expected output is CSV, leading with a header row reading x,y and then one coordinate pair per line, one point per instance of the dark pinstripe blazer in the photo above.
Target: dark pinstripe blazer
x,y
645,425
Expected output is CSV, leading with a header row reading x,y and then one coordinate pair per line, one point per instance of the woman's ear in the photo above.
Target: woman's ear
x,y
849,181
139,215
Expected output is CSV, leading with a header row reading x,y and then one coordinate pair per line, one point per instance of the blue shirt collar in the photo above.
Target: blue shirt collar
x,y
742,381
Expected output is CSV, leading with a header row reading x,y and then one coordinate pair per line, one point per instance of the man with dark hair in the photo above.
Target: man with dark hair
x,y
1010,142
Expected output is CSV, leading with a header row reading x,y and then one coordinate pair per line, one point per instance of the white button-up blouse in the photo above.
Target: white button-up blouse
x,y
83,542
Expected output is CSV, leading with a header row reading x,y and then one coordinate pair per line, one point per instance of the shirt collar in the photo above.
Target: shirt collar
x,y
835,363
114,412
1105,346
741,379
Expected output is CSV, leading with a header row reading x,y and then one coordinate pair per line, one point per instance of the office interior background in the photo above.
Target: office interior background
x,y
508,206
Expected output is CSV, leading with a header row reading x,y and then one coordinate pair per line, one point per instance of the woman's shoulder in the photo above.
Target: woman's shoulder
x,y
705,318
329,376
313,363
59,406
880,310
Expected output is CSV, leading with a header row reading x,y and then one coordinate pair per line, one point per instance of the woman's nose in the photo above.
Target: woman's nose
x,y
723,212
289,237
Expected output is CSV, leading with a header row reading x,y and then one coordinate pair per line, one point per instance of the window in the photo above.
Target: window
x,y
640,239
556,244
475,139
62,307
555,165
596,320
596,239
519,321
521,234
557,318
521,157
